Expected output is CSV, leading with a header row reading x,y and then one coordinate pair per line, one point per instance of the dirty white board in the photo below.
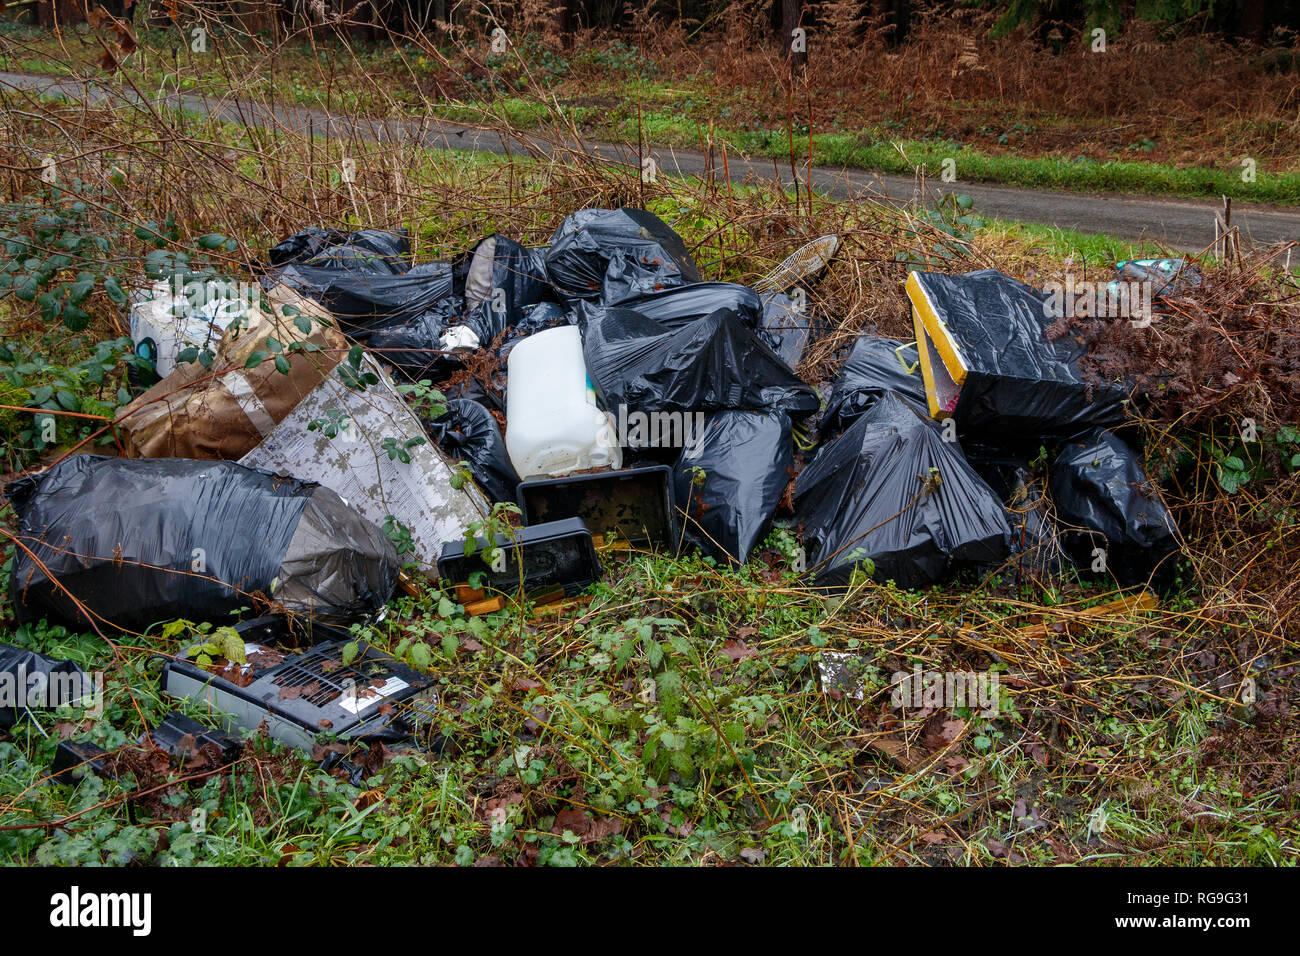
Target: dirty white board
x,y
355,464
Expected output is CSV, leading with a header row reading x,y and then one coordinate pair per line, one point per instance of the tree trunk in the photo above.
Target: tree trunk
x,y
796,53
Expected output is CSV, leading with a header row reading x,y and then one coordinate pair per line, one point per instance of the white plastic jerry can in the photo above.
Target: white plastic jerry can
x,y
553,424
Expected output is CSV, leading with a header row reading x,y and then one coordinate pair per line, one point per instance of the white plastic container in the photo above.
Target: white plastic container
x,y
164,323
553,425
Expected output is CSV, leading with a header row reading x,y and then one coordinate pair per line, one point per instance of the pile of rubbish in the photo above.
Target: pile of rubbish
x,y
603,387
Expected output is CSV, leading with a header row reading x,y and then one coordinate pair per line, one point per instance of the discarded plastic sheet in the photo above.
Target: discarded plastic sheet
x,y
628,508
223,412
877,366
891,490
608,255
730,483
466,431
142,541
553,424
29,680
713,364
843,672
375,698
373,431
1113,520
549,562
988,363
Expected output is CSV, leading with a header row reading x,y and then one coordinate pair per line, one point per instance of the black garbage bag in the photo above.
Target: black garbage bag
x,y
996,369
1106,501
362,250
730,479
31,680
467,432
892,490
611,254
876,367
415,347
500,278
366,300
138,541
712,364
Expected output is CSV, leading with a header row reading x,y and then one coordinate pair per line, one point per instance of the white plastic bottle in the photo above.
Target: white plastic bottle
x,y
553,425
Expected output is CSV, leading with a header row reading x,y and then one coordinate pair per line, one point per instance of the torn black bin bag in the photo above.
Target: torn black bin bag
x,y
715,363
1104,500
467,431
347,250
33,681
138,541
500,279
730,480
366,300
987,356
611,254
892,490
875,367
414,348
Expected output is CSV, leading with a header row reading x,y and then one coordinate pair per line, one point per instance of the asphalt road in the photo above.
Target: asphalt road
x,y
1183,224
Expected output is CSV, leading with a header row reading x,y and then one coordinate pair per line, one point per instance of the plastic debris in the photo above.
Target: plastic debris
x,y
375,698
1112,517
730,482
988,362
553,424
545,562
466,431
608,255
165,322
891,490
713,364
129,543
29,681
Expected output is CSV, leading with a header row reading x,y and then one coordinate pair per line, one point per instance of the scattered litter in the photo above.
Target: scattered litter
x,y
545,562
891,490
369,447
1113,519
373,698
130,543
842,672
731,480
1167,276
989,363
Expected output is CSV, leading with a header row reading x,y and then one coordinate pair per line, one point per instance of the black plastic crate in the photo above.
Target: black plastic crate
x,y
631,507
